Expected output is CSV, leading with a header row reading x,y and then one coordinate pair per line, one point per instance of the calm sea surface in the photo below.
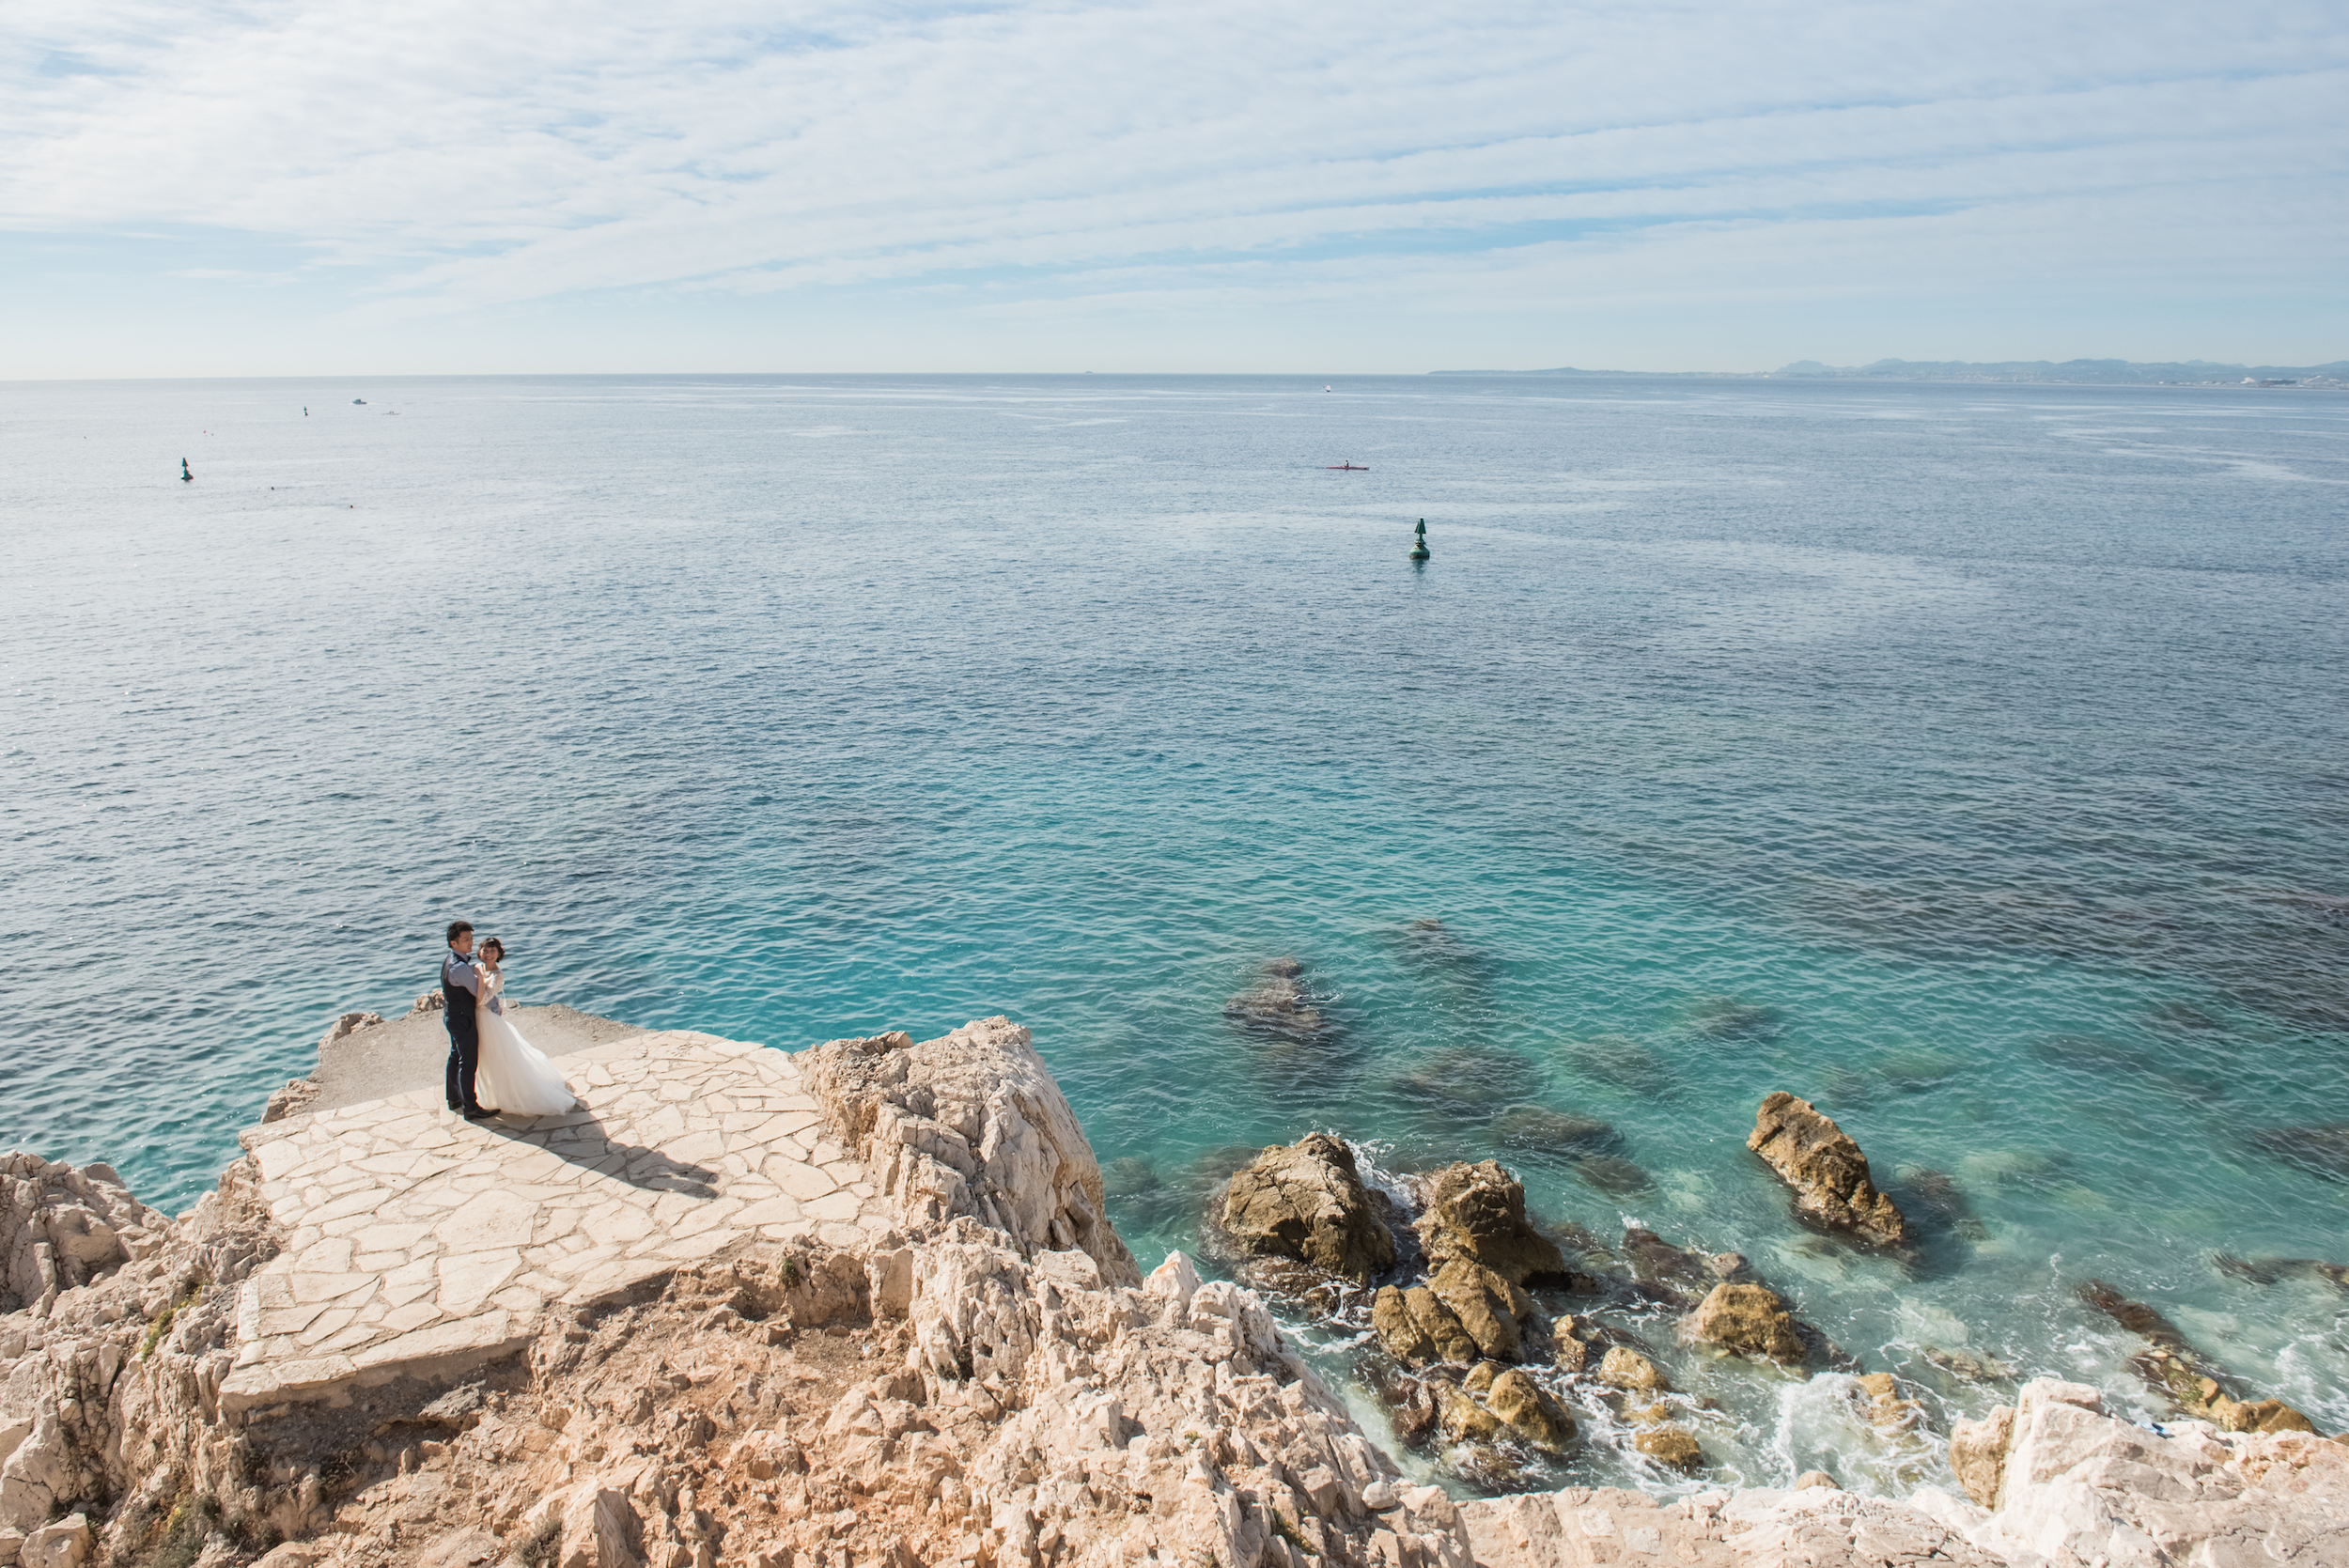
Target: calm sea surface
x,y
1971,760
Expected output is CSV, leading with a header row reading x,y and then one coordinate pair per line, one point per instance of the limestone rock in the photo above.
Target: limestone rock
x,y
971,1123
1751,1320
1307,1201
1675,1446
600,1530
350,1024
430,1002
1494,1312
1829,1174
1978,1454
1528,1410
292,1100
1477,1212
61,1228
63,1545
2071,1486
1888,1409
1625,1367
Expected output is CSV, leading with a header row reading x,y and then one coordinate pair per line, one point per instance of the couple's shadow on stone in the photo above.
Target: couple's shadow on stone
x,y
580,1137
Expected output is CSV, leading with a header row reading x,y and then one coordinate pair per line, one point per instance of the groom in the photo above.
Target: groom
x,y
460,988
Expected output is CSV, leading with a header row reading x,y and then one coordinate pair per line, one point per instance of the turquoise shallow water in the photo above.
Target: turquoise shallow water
x,y
1971,760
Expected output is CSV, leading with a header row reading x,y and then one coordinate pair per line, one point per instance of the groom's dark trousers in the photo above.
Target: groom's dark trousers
x,y
464,1044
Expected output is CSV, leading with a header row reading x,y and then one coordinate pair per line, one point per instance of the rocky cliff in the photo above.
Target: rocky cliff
x,y
976,1372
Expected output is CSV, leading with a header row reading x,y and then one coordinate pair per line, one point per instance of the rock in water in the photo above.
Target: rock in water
x,y
2321,1151
1307,1201
1477,1212
1675,1446
1888,1409
1277,1006
1542,1130
1417,1328
1528,1408
1826,1168
1495,1313
1751,1321
1625,1367
2173,1367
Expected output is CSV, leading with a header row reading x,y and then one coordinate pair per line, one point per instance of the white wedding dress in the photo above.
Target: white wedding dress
x,y
513,1075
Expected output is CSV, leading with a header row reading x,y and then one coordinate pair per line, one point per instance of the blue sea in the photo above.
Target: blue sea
x,y
1971,760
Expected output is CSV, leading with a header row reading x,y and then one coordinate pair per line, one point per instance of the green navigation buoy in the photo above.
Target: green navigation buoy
x,y
1419,545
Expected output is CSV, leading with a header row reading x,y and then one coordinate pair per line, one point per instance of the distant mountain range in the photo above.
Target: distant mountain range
x,y
2193,372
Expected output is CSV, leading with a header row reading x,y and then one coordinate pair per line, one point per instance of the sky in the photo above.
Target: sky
x,y
289,187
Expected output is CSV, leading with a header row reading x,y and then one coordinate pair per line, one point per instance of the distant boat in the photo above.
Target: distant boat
x,y
360,401
1350,468
184,475
1329,389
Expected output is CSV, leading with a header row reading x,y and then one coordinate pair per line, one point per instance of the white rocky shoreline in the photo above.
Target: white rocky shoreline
x,y
864,1305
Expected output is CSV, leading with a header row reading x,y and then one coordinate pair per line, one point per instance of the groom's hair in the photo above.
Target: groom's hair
x,y
457,928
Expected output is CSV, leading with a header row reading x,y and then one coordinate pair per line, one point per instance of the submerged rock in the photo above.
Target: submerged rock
x,y
1730,1019
1469,1080
2268,1271
1307,1201
1940,1200
1968,1367
1750,1321
1829,1174
2169,1366
1477,1212
1681,1275
1619,1060
1279,1006
1545,1131
2321,1151
1616,1177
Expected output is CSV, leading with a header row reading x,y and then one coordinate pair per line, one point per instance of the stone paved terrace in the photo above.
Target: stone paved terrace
x,y
419,1243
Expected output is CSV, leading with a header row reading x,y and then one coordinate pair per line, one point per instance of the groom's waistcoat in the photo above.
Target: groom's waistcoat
x,y
460,998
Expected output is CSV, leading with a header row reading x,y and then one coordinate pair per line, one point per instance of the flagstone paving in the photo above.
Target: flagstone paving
x,y
417,1242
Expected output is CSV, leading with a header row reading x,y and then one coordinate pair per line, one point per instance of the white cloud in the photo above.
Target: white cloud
x,y
442,158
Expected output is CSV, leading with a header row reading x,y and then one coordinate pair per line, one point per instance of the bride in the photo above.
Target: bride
x,y
514,1077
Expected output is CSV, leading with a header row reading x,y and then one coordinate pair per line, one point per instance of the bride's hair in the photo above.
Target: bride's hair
x,y
493,943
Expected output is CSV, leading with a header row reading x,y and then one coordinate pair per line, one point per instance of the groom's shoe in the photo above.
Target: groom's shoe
x,y
479,1114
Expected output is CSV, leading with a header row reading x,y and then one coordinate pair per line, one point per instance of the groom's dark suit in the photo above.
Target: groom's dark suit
x,y
461,983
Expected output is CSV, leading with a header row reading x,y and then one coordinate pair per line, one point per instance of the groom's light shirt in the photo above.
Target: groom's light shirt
x,y
456,969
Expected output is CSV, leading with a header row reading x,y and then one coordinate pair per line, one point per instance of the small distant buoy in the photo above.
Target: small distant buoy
x,y
184,475
1419,545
